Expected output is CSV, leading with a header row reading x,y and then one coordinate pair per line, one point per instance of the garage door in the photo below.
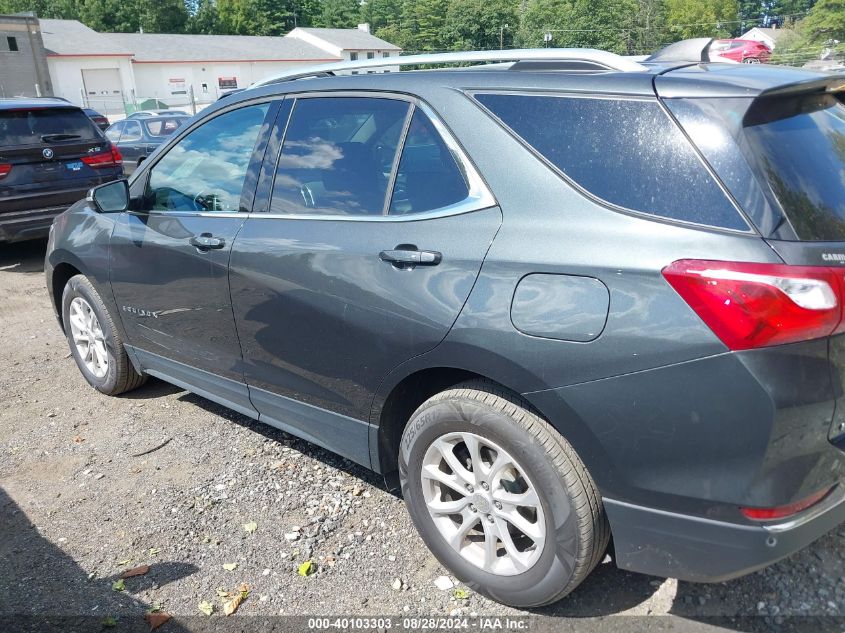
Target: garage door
x,y
102,82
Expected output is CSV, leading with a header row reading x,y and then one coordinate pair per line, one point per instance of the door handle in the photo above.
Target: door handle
x,y
409,257
207,241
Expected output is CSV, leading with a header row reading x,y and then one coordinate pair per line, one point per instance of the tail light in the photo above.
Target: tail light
x,y
104,159
5,168
757,305
781,512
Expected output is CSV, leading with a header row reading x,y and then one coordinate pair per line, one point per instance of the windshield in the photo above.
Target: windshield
x,y
782,158
45,126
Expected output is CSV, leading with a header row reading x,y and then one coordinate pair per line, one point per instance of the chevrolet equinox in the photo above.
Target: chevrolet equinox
x,y
553,299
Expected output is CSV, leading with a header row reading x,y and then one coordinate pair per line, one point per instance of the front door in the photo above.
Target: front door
x,y
364,260
170,254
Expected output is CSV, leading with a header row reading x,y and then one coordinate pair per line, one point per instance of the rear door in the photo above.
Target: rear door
x,y
170,253
50,157
374,230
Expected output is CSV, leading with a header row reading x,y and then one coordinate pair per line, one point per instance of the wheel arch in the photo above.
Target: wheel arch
x,y
393,410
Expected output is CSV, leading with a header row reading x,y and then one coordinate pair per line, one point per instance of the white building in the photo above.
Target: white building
x,y
107,70
767,36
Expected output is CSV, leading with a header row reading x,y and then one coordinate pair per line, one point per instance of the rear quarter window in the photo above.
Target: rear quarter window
x,y
628,153
45,126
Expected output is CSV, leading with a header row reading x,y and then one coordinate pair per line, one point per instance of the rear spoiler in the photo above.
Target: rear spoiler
x,y
694,51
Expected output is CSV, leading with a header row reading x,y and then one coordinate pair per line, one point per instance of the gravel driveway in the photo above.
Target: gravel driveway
x,y
224,501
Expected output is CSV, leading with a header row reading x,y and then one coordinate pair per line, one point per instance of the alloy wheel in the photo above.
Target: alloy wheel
x,y
87,335
483,503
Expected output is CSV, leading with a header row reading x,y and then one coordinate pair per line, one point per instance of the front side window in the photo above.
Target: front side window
x,y
428,176
338,155
206,170
626,152
113,133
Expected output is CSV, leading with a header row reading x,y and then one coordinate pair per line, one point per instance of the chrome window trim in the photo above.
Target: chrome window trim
x,y
479,196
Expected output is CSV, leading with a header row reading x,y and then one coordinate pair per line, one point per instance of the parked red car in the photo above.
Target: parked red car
x,y
744,51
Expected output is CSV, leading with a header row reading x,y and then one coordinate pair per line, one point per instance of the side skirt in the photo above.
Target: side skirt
x,y
340,434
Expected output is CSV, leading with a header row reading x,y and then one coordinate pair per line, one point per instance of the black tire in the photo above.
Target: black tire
x,y
577,532
120,375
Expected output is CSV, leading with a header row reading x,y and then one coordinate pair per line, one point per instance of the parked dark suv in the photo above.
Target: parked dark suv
x,y
552,300
51,154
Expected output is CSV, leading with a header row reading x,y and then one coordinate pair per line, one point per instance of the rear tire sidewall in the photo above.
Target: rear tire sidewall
x,y
553,570
78,287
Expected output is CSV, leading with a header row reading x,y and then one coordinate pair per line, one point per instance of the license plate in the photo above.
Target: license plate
x,y
75,165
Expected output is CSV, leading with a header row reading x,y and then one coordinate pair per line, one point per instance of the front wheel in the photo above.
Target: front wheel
x,y
94,340
499,497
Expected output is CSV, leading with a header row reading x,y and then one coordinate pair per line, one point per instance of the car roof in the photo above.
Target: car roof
x,y
669,79
35,102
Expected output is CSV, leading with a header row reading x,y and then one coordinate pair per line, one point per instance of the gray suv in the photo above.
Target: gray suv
x,y
557,300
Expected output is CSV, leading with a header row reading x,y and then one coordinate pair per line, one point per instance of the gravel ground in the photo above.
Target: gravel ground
x,y
226,501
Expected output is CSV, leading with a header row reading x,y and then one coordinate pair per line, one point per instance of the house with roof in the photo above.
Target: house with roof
x,y
107,70
768,36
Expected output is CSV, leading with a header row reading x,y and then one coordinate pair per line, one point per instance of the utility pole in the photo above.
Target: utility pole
x,y
502,36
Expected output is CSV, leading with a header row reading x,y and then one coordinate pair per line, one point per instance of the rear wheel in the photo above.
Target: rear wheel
x,y
750,60
94,340
500,497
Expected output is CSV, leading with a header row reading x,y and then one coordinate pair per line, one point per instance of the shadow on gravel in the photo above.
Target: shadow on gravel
x,y
44,590
272,433
23,257
153,388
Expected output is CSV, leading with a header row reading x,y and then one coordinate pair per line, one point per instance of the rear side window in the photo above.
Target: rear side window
x,y
162,126
45,126
628,153
338,156
428,176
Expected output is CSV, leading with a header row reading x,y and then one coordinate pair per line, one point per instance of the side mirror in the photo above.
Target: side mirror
x,y
112,197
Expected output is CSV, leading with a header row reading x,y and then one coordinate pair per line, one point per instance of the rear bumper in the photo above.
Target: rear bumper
x,y
696,549
16,226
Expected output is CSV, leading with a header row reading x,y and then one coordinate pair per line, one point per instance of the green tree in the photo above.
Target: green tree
x,y
701,18
339,14
544,16
162,16
649,31
825,22
110,16
204,18
61,9
480,24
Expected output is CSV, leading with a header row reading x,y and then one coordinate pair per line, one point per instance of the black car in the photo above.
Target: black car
x,y
100,120
138,138
51,154
570,301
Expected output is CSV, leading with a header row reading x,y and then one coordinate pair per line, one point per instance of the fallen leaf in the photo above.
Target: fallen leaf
x,y
222,593
330,561
230,566
154,608
306,568
461,593
135,571
118,585
78,439
230,607
206,607
109,622
153,552
250,527
124,563
155,620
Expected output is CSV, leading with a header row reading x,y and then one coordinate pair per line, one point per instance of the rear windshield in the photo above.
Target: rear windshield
x,y
45,126
792,147
162,126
